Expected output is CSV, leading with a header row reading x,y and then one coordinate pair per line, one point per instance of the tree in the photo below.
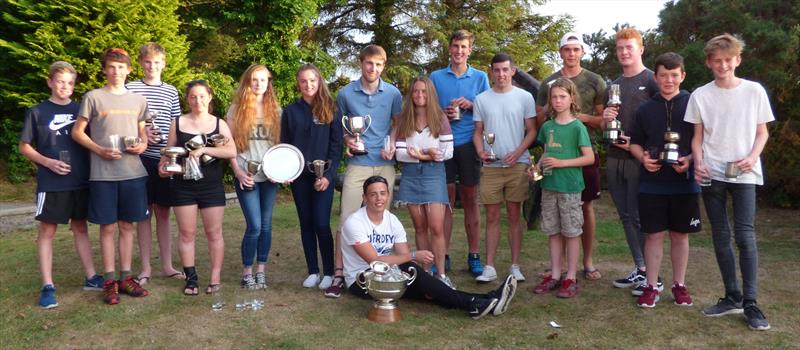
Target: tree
x,y
37,33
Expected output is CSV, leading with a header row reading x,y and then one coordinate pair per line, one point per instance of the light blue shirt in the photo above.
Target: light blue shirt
x,y
381,106
468,85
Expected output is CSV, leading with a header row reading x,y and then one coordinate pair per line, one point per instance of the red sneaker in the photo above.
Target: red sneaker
x,y
649,297
681,295
130,287
569,289
547,284
110,292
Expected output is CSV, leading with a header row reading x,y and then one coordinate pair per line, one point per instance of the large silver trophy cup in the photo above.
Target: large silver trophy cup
x,y
489,137
357,125
385,284
198,142
173,153
319,167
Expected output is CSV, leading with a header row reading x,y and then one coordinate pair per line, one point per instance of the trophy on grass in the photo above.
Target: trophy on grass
x,y
357,125
173,153
489,138
613,129
319,167
385,283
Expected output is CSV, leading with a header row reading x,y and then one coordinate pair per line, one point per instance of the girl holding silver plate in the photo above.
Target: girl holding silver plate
x,y
309,125
254,119
206,194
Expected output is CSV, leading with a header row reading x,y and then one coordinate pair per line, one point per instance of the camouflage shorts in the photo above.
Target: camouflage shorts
x,y
562,213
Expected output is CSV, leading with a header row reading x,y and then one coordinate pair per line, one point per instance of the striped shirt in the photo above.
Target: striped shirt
x,y
163,100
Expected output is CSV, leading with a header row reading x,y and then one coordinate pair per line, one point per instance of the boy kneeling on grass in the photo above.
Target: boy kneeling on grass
x,y
567,149
62,177
668,194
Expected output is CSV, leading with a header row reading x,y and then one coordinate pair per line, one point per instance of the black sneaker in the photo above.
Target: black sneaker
x,y
636,276
639,290
725,306
755,318
481,307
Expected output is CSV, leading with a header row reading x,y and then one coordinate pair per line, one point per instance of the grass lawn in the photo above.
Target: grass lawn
x,y
600,317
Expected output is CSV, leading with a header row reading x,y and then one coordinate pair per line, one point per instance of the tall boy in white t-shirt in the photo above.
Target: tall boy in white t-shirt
x,y
730,116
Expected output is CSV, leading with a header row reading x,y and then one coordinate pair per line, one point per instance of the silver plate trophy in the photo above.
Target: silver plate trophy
x,y
385,284
489,137
357,125
282,163
319,167
173,153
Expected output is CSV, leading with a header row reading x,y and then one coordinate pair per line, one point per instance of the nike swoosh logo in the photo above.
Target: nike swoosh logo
x,y
55,126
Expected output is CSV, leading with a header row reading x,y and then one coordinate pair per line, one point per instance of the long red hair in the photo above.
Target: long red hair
x,y
244,102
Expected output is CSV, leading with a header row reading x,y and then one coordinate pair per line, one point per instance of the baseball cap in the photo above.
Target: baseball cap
x,y
572,38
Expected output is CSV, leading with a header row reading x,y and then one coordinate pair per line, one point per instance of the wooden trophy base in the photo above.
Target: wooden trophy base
x,y
358,152
384,315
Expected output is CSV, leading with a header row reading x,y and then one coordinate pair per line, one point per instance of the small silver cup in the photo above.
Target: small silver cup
x,y
319,167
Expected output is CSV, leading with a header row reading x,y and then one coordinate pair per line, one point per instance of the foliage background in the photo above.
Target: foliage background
x,y
217,39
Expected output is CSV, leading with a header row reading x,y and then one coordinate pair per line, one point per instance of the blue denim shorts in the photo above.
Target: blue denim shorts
x,y
423,183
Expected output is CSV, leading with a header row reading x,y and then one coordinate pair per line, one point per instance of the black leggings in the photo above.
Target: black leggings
x,y
427,287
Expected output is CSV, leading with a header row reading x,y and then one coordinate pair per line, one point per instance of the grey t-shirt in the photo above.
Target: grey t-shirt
x,y
109,114
504,114
634,91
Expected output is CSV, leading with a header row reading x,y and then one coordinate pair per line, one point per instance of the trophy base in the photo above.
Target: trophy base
x,y
669,161
357,152
537,177
380,315
173,169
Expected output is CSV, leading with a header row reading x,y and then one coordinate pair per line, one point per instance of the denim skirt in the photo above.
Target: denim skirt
x,y
423,183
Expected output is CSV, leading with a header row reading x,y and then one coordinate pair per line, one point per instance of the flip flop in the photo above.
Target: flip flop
x,y
592,275
213,288
177,276
142,280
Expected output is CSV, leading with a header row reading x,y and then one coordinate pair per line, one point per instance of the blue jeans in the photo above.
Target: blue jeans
x,y
743,196
257,208
623,184
314,213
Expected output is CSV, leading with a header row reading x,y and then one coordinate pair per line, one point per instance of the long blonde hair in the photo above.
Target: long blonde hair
x,y
407,124
322,106
245,109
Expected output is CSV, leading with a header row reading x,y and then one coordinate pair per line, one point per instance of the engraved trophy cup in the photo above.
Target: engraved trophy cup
x,y
489,138
385,284
357,125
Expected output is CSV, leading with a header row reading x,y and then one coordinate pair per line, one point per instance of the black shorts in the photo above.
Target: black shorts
x,y
464,166
205,194
60,207
157,186
673,212
591,180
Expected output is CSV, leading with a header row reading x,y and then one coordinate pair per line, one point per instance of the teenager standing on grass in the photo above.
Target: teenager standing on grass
x,y
730,117
567,149
254,120
424,142
164,106
205,196
668,194
311,125
117,182
62,182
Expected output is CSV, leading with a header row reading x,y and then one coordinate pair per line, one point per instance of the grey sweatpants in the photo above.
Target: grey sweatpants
x,y
623,184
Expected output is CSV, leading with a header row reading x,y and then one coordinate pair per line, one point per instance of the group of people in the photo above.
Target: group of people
x,y
454,131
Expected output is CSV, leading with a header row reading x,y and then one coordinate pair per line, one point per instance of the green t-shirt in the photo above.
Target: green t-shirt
x,y
564,142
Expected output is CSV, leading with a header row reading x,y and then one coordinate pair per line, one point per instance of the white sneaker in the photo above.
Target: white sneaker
x,y
489,274
326,282
514,270
311,281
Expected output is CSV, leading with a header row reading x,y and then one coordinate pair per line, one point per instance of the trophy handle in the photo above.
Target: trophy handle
x,y
328,164
310,167
361,280
344,124
413,275
367,123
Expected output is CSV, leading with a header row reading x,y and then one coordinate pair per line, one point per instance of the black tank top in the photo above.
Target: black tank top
x,y
212,172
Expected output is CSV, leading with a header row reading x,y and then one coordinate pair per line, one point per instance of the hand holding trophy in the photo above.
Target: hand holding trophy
x,y
357,125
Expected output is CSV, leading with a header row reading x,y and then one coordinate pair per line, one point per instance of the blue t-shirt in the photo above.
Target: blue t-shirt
x,y
381,106
449,87
48,128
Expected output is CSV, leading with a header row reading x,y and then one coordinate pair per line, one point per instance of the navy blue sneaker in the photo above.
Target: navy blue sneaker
x,y
47,300
446,263
94,284
474,264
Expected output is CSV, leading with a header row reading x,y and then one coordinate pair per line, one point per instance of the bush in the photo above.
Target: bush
x,y
19,168
781,162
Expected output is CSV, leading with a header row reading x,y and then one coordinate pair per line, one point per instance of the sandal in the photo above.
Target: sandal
x,y
191,288
142,280
213,288
177,275
592,275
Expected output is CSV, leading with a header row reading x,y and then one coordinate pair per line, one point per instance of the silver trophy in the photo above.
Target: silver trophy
x,y
670,153
253,167
216,140
535,174
319,167
173,153
131,141
198,142
732,171
153,127
357,125
385,284
489,138
457,111
613,129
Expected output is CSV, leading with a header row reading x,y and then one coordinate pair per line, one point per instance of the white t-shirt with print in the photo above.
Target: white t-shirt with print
x,y
359,229
730,118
